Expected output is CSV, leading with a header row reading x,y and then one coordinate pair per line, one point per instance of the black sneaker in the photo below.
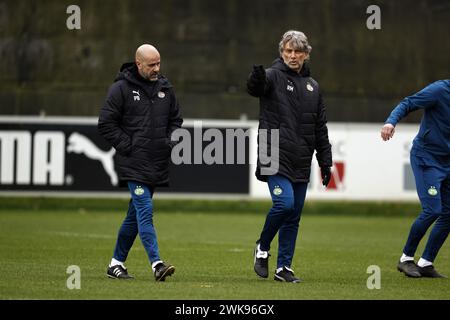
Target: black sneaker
x,y
430,272
163,270
286,275
409,268
261,262
118,272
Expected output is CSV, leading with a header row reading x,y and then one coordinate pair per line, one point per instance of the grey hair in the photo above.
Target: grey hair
x,y
298,39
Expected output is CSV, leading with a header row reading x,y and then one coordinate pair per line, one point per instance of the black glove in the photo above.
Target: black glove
x,y
326,175
258,73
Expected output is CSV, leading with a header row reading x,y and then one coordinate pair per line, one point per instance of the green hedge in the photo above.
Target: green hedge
x,y
205,206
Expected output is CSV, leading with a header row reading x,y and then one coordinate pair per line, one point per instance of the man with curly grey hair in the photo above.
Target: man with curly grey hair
x,y
290,102
293,41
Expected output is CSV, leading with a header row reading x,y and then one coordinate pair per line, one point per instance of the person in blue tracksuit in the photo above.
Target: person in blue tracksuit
x,y
430,162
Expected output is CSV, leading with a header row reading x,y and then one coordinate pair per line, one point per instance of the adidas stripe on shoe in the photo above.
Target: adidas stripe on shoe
x,y
118,272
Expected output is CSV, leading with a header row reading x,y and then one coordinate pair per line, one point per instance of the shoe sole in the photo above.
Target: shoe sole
x,y
170,270
409,274
434,276
112,277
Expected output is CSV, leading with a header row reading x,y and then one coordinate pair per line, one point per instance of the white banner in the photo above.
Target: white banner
x,y
364,166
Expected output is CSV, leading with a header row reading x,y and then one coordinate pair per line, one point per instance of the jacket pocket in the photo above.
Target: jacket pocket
x,y
124,146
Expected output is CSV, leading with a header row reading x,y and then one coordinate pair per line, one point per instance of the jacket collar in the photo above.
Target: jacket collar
x,y
128,71
279,64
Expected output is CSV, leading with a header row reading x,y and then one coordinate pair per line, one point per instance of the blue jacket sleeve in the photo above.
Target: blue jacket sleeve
x,y
423,99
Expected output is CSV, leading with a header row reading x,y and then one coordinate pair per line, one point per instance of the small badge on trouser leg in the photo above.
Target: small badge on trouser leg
x,y
432,191
139,191
277,190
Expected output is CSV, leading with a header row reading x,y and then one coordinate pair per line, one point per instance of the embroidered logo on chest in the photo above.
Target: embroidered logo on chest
x,y
290,86
136,95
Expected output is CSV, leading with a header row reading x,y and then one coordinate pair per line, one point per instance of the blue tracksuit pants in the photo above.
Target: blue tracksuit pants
x,y
139,220
433,187
284,217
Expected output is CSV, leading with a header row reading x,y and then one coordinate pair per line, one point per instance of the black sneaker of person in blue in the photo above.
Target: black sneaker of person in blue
x,y
286,275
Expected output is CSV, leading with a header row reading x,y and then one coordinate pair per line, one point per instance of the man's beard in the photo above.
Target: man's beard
x,y
151,77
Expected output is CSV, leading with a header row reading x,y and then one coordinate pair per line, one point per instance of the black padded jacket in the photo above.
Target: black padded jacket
x,y
291,102
137,119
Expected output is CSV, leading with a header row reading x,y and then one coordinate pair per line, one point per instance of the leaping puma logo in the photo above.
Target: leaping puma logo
x,y
137,96
81,144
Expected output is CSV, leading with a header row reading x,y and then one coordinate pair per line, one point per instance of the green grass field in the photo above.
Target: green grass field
x,y
212,252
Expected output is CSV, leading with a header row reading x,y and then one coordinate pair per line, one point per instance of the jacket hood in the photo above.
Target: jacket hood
x,y
128,71
279,64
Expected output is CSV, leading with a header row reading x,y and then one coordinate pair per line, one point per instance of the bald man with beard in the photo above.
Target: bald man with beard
x,y
137,118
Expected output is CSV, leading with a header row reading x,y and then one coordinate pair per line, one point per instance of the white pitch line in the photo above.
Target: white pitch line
x,y
82,235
